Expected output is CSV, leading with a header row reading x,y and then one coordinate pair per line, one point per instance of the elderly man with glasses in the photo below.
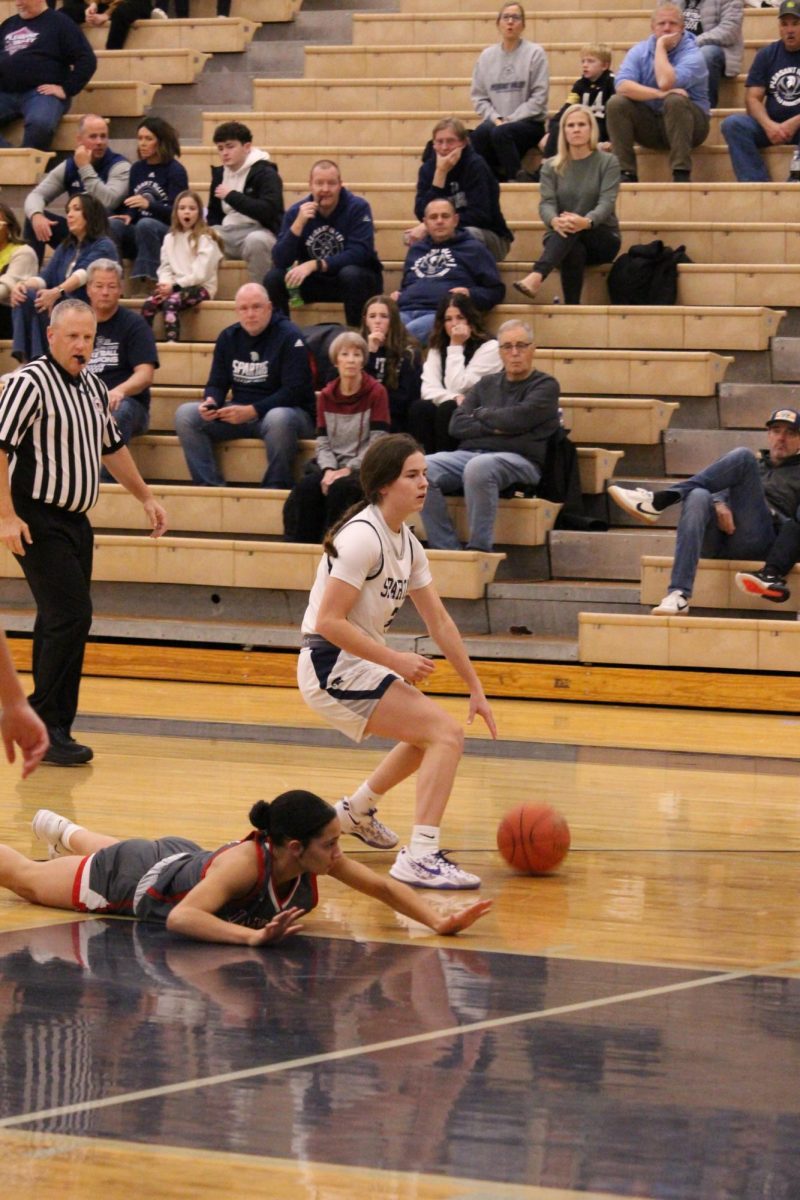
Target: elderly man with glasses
x,y
502,426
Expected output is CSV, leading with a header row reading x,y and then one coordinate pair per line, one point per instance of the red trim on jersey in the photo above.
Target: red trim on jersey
x,y
76,885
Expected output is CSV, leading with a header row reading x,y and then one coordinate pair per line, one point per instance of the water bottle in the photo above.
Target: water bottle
x,y
794,168
295,296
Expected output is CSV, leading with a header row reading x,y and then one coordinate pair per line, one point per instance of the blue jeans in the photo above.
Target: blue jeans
x,y
482,474
715,61
736,474
40,114
418,322
29,329
141,243
132,419
745,138
280,429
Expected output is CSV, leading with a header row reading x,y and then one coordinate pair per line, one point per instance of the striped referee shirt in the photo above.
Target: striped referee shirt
x,y
55,428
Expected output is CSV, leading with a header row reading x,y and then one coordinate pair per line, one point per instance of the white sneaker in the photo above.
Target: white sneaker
x,y
433,871
636,501
158,14
366,826
48,827
674,604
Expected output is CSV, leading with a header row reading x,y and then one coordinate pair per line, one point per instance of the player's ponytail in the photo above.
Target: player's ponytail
x,y
292,816
381,465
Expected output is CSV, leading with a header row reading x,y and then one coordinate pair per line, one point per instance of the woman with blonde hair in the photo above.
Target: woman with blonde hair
x,y
577,203
352,412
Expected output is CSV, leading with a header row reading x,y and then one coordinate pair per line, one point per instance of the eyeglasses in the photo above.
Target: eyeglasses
x,y
507,347
511,17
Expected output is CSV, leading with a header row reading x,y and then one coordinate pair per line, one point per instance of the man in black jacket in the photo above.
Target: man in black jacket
x,y
245,204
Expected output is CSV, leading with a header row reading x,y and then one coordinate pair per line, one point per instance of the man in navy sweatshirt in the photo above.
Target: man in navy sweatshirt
x,y
44,61
326,248
262,362
448,259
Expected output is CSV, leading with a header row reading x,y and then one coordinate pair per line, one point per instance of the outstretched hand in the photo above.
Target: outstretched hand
x,y
479,706
286,923
455,922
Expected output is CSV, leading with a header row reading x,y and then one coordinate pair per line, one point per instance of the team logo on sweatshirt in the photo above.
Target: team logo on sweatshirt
x,y
19,39
324,242
785,85
437,262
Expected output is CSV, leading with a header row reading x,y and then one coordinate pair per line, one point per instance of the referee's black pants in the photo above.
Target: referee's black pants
x,y
58,568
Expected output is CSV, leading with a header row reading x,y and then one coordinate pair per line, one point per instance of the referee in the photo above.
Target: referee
x,y
55,427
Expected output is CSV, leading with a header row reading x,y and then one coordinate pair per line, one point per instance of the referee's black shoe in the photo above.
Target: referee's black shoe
x,y
64,751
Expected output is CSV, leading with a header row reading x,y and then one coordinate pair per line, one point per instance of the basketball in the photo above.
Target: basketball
x,y
533,838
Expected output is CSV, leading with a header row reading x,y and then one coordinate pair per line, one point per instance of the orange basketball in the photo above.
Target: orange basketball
x,y
533,838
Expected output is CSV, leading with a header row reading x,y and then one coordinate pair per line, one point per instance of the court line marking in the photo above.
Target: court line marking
x,y
416,1039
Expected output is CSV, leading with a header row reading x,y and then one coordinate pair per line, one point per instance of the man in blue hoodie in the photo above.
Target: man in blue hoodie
x,y
448,259
262,362
326,248
44,61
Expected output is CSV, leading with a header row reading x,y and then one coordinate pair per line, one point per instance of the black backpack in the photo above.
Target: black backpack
x,y
318,339
646,274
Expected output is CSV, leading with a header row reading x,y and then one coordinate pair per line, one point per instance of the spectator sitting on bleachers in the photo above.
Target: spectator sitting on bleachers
x,y
44,61
577,203
661,99
453,170
502,428
738,507
93,167
262,362
460,352
326,248
155,180
115,15
448,259
352,413
64,275
245,204
17,262
124,354
772,99
717,27
509,92
593,90
393,357
189,266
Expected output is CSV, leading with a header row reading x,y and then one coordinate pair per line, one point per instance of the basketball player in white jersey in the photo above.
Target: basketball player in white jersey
x,y
350,676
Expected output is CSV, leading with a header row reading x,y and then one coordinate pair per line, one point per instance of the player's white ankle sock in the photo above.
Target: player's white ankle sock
x,y
424,840
363,799
68,831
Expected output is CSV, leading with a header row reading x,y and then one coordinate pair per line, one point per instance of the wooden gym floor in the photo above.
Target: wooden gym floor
x,y
626,1027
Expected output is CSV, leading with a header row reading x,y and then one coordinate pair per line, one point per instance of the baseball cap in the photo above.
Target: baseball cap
x,y
786,416
789,8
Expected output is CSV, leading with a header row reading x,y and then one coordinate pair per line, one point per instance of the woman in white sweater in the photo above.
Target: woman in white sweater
x,y
460,352
187,273
17,262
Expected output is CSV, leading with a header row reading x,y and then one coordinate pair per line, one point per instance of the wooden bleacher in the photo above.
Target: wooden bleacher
x,y
216,35
749,262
